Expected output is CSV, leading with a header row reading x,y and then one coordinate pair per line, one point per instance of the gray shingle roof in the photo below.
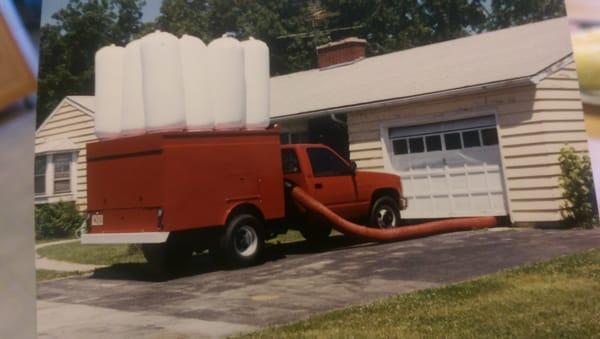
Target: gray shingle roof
x,y
514,53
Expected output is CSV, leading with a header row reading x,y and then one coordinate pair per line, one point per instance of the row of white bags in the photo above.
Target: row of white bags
x,y
161,83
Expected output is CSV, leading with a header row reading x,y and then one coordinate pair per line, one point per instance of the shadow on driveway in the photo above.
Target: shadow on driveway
x,y
203,263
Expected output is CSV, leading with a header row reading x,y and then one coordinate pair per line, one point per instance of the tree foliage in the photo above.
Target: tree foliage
x,y
507,13
291,28
576,181
67,47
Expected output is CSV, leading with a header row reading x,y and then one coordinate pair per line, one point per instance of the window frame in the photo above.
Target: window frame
x,y
442,136
42,158
64,178
347,166
293,151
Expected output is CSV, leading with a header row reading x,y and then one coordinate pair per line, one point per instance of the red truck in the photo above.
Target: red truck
x,y
177,193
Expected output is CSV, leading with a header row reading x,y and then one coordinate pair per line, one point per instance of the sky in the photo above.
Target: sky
x,y
49,7
150,12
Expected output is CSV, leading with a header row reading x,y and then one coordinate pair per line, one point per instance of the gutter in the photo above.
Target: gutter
x,y
411,99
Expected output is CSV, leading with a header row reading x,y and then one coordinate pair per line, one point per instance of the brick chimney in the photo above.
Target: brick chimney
x,y
341,52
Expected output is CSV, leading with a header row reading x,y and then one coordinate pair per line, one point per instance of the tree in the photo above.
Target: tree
x,y
264,19
507,13
67,48
291,28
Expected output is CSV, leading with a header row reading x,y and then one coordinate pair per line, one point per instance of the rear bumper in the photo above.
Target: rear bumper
x,y
125,238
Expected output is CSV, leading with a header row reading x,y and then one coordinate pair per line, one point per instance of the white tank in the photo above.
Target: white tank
x,y
194,59
133,120
227,85
162,82
256,65
108,71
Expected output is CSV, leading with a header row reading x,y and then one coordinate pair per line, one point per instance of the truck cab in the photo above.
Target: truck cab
x,y
369,197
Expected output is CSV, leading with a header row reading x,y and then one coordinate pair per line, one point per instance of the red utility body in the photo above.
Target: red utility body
x,y
195,178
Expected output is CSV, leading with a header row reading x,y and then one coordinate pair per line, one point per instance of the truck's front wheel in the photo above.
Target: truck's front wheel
x,y
243,242
385,213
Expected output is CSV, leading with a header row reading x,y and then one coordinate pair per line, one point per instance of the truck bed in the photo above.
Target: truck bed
x,y
165,182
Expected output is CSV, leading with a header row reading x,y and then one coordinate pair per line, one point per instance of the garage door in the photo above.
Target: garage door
x,y
449,169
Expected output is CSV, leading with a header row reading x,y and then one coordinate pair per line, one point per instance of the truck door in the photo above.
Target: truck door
x,y
332,180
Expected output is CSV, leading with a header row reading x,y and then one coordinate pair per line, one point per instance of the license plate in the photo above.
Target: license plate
x,y
97,219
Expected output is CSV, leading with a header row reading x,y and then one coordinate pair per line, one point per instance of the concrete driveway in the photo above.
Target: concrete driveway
x,y
125,301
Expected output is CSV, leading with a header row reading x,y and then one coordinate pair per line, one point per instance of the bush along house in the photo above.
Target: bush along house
x,y
474,125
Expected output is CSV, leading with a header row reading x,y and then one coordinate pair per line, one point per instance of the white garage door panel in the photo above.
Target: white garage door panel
x,y
444,182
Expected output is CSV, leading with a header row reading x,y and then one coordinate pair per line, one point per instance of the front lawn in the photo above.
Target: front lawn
x,y
43,275
559,298
75,252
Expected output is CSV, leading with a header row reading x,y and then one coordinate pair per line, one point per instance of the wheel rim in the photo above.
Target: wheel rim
x,y
245,241
386,218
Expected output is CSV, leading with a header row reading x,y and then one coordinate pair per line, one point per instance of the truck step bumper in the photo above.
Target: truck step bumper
x,y
125,238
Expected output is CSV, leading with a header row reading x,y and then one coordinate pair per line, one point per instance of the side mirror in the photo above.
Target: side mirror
x,y
353,166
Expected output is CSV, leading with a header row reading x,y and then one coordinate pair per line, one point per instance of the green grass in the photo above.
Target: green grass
x,y
43,275
289,236
294,236
93,254
559,298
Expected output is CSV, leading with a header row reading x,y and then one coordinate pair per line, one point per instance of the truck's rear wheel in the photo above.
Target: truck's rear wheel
x,y
167,257
385,213
243,242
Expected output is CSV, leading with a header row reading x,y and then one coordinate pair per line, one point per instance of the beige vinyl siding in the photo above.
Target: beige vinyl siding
x,y
531,147
71,122
534,123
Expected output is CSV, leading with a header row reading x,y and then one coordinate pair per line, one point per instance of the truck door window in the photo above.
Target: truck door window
x,y
325,163
290,161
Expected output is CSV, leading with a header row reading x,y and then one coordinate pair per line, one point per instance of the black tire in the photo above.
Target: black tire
x,y
167,257
315,233
385,213
242,243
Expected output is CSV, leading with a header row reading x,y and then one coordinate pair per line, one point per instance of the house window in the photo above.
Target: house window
x,y
416,145
400,146
434,143
40,175
471,139
452,141
293,138
62,172
489,136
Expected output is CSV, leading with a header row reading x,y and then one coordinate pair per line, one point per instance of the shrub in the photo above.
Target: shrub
x,y
57,220
577,183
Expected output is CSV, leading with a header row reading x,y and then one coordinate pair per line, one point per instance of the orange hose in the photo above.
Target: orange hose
x,y
394,234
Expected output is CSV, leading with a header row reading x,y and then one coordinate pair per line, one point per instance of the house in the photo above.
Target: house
x,y
60,164
474,125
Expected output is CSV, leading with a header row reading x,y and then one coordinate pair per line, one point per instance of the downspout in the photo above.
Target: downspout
x,y
337,120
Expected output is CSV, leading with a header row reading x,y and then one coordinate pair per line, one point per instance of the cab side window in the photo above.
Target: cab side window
x,y
290,161
325,163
